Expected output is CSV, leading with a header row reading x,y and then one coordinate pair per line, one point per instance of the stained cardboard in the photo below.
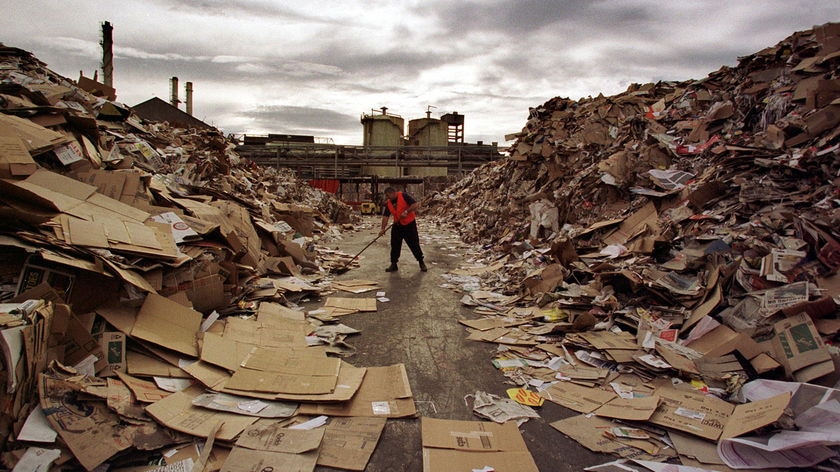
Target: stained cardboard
x,y
93,437
349,442
712,418
472,445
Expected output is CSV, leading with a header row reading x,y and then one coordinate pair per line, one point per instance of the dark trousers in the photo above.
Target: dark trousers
x,y
407,233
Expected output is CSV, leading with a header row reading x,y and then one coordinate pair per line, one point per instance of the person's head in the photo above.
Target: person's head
x,y
390,193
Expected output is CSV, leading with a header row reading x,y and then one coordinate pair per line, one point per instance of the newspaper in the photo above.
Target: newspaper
x,y
816,413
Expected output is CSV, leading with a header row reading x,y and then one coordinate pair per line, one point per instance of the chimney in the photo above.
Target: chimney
x,y
173,99
107,54
189,98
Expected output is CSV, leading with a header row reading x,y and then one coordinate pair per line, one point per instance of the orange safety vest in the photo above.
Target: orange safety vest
x,y
401,207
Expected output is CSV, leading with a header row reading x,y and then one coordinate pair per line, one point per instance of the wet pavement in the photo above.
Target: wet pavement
x,y
419,328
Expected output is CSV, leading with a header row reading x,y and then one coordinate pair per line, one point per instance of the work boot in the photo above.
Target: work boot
x,y
391,268
423,267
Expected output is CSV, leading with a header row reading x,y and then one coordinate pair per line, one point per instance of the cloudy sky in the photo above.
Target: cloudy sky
x,y
314,67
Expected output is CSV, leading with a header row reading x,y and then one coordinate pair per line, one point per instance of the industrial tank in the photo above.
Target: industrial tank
x,y
427,132
382,129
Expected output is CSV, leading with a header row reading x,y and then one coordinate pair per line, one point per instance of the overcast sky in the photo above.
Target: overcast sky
x,y
314,67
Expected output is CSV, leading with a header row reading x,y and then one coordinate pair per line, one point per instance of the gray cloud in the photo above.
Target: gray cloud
x,y
296,120
264,64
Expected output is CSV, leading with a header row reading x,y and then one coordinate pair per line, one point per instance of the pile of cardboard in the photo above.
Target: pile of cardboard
x,y
148,288
674,241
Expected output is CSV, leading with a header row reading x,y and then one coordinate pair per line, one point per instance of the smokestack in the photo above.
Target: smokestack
x,y
189,98
107,54
173,99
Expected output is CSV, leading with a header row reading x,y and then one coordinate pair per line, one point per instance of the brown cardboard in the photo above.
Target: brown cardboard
x,y
753,415
719,341
286,371
349,442
269,333
79,343
93,437
350,379
177,412
384,392
247,460
120,400
576,397
15,160
224,352
355,304
800,349
270,436
588,430
469,445
143,390
169,324
646,219
712,418
699,449
213,377
608,340
36,138
633,409
149,365
208,293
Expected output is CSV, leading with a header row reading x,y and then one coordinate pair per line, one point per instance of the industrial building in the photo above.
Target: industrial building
x,y
426,156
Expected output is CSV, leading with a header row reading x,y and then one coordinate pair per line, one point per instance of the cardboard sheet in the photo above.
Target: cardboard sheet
x,y
355,304
350,380
633,409
177,412
219,350
800,349
92,437
384,392
349,442
472,445
286,371
576,397
273,332
168,324
588,430
241,459
713,418
270,436
245,405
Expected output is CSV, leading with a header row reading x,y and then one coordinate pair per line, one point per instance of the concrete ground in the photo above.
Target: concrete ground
x,y
419,328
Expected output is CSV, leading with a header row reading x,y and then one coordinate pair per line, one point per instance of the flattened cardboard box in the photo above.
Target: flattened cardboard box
x,y
177,412
450,445
577,397
286,371
800,349
247,460
384,392
93,437
349,442
712,418
169,324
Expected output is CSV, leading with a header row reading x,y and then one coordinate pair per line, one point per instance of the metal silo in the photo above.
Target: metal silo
x,y
382,129
427,132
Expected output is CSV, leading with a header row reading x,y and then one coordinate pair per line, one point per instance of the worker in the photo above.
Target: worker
x,y
402,207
